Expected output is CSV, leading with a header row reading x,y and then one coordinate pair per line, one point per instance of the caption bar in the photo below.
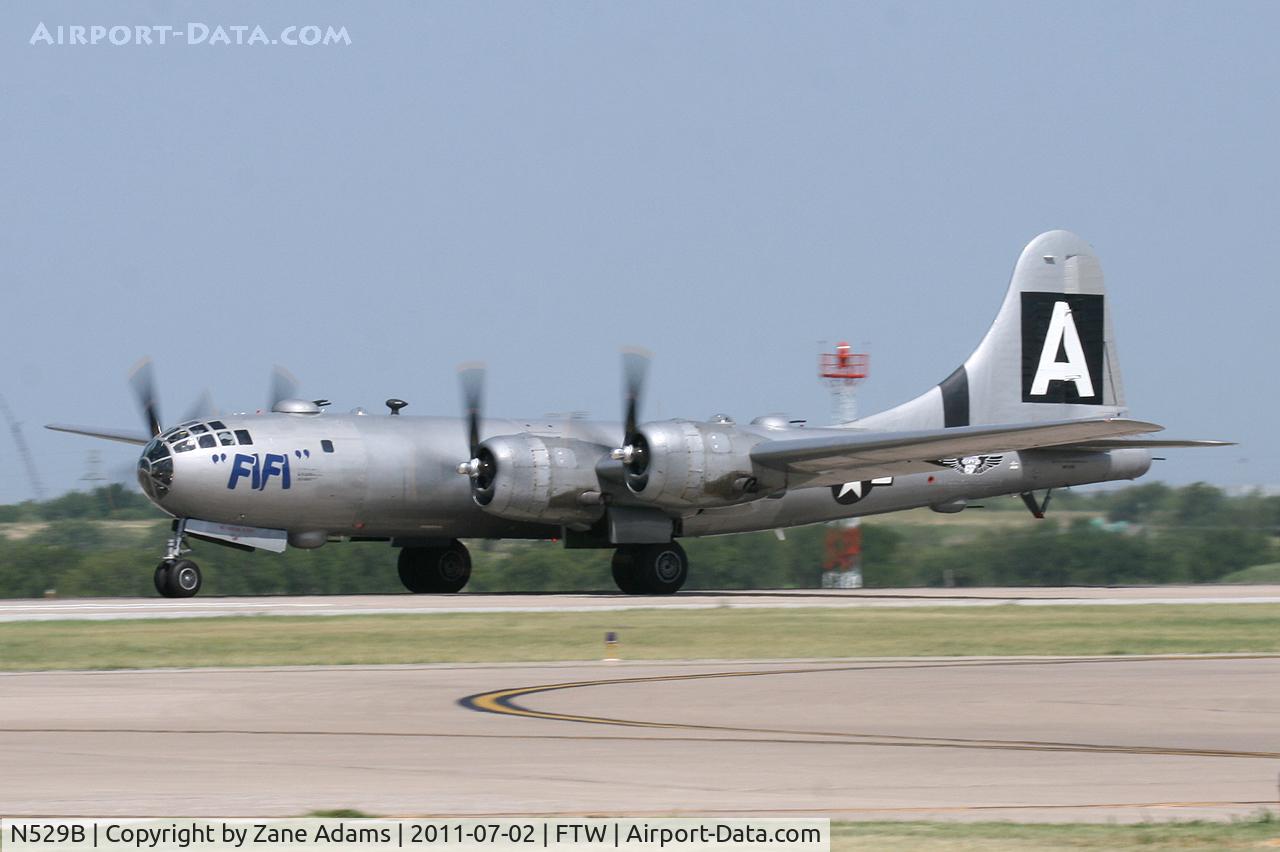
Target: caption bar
x,y
352,835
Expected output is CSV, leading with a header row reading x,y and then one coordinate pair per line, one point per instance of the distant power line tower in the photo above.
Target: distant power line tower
x,y
843,370
93,470
24,452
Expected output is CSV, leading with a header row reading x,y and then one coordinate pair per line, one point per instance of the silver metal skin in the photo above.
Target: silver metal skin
x,y
1037,406
397,478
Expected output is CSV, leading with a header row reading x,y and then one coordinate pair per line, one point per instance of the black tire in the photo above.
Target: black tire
x,y
161,578
435,569
655,569
409,566
185,578
178,579
624,572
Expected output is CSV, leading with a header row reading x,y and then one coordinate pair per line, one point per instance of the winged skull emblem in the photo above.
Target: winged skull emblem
x,y
971,465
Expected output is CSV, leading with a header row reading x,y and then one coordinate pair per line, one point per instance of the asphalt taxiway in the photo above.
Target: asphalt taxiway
x,y
1057,739
106,609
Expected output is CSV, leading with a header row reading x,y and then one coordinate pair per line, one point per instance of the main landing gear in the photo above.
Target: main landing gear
x,y
435,569
650,569
176,577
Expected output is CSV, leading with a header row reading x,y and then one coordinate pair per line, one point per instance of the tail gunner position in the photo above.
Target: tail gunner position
x,y
1037,406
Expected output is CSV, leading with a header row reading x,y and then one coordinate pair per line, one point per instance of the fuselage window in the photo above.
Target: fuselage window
x,y
217,424
326,445
242,435
183,446
207,441
227,439
198,428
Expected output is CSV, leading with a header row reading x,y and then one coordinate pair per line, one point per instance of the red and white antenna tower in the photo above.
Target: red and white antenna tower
x,y
842,370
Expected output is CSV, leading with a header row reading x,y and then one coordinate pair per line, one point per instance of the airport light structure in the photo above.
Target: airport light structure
x,y
843,370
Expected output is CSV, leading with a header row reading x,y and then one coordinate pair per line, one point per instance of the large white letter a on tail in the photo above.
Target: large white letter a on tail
x,y
1062,335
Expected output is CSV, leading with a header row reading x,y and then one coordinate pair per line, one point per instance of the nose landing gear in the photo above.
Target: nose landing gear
x,y
176,577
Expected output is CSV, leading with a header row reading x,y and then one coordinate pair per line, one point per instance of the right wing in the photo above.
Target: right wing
x,y
852,455
1141,444
124,436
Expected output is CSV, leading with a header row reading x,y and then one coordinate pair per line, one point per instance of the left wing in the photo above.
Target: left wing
x,y
832,459
124,436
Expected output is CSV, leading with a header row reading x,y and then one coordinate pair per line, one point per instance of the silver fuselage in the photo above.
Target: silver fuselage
x,y
395,477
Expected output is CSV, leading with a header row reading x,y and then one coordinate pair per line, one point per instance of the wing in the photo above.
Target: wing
x,y
1142,444
124,436
831,459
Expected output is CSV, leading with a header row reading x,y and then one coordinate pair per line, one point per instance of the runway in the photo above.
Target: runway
x,y
1030,739
109,609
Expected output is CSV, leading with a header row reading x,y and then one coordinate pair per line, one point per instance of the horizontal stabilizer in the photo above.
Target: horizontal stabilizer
x,y
854,455
124,436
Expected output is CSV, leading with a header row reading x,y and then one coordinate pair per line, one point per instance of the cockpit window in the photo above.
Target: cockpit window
x,y
157,451
174,437
217,424
225,438
242,435
207,441
183,446
199,428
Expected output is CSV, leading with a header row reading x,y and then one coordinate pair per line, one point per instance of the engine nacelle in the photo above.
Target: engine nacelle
x,y
535,478
685,464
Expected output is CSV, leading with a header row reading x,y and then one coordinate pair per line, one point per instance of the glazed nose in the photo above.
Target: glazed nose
x,y
155,470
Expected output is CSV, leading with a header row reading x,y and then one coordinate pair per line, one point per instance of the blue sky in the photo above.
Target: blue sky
x,y
538,184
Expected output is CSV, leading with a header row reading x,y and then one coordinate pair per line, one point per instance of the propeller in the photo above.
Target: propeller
x,y
634,452
481,465
283,386
142,378
202,409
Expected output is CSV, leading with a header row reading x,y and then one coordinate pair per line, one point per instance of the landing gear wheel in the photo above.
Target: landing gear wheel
x,y
435,569
624,572
179,578
653,569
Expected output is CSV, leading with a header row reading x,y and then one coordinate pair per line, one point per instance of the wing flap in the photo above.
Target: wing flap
x,y
860,455
1103,445
124,436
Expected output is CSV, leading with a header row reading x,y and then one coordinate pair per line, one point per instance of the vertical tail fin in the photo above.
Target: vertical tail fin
x,y
1049,355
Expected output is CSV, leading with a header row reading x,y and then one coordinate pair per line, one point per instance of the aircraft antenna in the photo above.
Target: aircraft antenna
x,y
842,370
20,441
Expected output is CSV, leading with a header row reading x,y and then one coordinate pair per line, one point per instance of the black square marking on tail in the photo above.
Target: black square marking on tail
x,y
955,398
1081,319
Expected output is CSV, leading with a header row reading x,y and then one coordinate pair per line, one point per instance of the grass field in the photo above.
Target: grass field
x,y
644,634
1262,831
1257,833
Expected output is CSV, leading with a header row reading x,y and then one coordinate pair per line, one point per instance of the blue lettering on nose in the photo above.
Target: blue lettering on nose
x,y
244,466
260,469
274,464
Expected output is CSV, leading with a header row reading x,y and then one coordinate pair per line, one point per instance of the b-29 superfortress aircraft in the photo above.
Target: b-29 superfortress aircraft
x,y
1037,406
